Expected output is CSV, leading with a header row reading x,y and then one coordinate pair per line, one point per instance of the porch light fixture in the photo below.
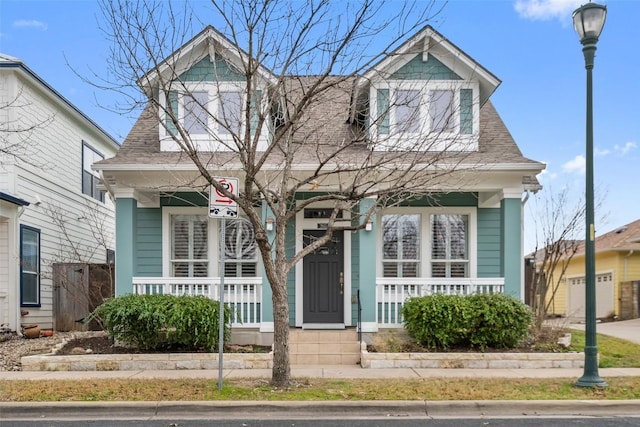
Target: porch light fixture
x,y
269,223
588,21
369,225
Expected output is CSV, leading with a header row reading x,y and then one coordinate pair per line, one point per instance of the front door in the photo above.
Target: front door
x,y
323,280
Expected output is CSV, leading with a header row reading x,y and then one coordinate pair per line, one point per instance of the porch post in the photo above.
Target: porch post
x,y
126,210
512,258
367,271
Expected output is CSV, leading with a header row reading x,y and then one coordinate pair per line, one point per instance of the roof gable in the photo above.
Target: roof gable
x,y
420,69
427,44
192,62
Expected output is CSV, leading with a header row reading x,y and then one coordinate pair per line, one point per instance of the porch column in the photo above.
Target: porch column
x,y
126,211
512,257
266,319
367,271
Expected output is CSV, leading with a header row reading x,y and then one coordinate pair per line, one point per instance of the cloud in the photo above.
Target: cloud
x,y
30,23
601,153
576,165
545,10
622,150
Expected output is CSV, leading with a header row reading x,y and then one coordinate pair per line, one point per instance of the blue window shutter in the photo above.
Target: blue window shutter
x,y
466,111
172,104
383,111
256,98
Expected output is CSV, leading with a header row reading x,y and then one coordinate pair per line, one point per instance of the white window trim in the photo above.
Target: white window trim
x,y
425,235
205,142
452,141
213,236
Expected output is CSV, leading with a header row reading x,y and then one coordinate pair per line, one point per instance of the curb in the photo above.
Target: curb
x,y
319,409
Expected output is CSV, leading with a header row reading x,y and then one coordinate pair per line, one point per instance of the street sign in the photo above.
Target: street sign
x,y
221,206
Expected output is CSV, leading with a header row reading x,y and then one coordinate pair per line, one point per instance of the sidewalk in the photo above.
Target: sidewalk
x,y
309,371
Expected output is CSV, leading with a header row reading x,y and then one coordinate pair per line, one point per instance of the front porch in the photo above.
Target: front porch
x,y
244,295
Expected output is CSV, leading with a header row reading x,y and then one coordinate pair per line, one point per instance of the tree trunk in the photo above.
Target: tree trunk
x,y
281,371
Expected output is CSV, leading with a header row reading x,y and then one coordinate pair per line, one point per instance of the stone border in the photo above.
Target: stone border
x,y
137,362
471,360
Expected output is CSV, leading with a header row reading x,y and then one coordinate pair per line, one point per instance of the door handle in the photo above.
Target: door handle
x,y
341,283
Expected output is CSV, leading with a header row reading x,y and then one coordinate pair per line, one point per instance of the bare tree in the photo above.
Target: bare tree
x,y
311,58
559,236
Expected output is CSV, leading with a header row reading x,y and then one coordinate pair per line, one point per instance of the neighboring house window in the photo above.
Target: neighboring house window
x,y
401,245
90,178
29,266
240,249
189,247
449,249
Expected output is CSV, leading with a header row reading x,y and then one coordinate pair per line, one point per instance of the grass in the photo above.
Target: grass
x,y
614,352
315,390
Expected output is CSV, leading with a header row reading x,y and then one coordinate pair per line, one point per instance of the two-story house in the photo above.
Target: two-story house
x,y
51,208
460,234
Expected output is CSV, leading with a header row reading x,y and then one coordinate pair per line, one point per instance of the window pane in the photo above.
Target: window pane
x,y
195,113
442,111
189,245
407,111
401,245
29,266
240,247
449,244
230,107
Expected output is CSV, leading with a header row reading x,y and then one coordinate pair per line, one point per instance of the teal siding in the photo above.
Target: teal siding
x,y
149,242
367,267
383,111
205,71
489,243
466,111
126,210
512,246
172,104
431,69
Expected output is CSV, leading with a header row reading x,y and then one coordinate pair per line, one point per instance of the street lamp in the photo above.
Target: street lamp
x,y
588,20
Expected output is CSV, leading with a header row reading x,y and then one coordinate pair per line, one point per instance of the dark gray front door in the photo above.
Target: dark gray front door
x,y
323,280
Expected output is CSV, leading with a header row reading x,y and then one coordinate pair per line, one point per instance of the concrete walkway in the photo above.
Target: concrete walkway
x,y
625,329
309,371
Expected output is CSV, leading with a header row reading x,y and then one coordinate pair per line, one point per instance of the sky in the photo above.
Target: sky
x,y
530,45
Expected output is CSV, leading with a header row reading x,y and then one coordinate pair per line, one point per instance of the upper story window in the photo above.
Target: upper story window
x,y
425,115
211,114
91,178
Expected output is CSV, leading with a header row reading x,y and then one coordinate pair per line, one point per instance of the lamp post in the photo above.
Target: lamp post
x,y
588,21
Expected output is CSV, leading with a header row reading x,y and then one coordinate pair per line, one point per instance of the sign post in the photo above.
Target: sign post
x,y
221,206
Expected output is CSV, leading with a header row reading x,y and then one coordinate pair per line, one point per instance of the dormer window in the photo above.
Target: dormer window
x,y
212,114
425,115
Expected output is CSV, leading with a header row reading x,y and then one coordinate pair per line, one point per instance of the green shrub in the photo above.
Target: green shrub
x,y
154,322
442,322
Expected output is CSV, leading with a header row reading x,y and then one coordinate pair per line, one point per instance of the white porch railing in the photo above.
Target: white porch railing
x,y
391,293
242,294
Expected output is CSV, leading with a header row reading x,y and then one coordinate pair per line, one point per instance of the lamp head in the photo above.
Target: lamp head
x,y
588,21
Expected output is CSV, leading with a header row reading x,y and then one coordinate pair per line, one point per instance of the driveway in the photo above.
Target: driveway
x,y
625,329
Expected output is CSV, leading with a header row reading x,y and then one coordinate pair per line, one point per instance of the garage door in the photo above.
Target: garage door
x,y
604,296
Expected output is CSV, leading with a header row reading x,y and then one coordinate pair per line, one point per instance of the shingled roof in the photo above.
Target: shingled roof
x,y
625,238
326,121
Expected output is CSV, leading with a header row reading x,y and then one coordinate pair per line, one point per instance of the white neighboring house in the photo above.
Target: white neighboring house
x,y
51,206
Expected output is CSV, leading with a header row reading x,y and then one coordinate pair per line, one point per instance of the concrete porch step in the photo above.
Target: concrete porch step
x,y
331,347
